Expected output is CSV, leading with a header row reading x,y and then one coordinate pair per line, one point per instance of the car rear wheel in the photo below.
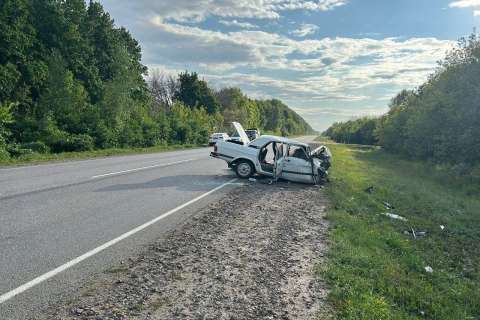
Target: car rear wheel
x,y
244,169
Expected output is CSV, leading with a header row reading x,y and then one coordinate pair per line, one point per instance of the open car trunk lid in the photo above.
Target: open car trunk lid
x,y
241,133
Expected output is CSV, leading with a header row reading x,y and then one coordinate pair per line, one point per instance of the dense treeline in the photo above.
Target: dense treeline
x,y
439,121
70,80
279,119
359,131
272,116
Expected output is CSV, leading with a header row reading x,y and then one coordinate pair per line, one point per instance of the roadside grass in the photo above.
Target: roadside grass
x,y
34,157
376,269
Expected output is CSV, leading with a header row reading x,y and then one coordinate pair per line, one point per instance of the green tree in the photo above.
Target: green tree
x,y
78,83
63,98
194,92
439,121
278,118
19,71
234,105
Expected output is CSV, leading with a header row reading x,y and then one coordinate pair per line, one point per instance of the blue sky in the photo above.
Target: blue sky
x,y
330,60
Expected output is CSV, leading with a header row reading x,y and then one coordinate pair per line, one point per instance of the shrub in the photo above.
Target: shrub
x,y
80,142
17,151
63,142
4,154
37,146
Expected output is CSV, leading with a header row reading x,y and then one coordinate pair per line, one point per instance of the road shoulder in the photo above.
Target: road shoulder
x,y
252,255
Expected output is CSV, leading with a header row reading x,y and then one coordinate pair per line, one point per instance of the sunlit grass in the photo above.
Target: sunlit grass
x,y
376,268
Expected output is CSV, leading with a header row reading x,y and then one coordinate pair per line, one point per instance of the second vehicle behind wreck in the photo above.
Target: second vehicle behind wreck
x,y
275,157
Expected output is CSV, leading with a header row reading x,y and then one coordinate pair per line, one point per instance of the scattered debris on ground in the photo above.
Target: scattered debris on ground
x,y
388,206
421,233
250,256
415,233
369,189
428,269
394,216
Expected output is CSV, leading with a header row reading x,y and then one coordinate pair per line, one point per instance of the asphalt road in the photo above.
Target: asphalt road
x,y
55,218
54,213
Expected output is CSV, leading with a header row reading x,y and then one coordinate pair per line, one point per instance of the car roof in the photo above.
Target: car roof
x,y
262,140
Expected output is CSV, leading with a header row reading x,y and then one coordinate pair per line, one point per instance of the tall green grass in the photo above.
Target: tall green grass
x,y
376,268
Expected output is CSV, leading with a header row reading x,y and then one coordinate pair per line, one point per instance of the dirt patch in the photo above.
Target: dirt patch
x,y
250,256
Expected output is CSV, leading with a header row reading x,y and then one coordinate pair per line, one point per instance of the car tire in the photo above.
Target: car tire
x,y
244,169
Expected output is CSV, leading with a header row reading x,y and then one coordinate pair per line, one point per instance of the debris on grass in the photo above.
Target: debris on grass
x,y
394,216
428,269
369,189
415,233
388,205
442,227
421,233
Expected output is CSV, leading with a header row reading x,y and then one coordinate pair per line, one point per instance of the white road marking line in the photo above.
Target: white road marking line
x,y
9,295
139,169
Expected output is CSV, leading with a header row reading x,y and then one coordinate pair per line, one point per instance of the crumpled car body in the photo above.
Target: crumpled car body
x,y
275,157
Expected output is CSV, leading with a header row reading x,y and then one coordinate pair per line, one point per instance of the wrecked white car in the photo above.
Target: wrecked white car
x,y
275,157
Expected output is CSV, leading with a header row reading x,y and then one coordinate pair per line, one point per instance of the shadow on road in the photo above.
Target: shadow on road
x,y
179,182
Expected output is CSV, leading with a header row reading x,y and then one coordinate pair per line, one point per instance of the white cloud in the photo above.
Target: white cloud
x,y
328,69
235,23
322,5
475,4
465,4
198,10
305,30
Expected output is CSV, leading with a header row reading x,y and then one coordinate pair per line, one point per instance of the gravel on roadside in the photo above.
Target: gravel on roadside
x,y
251,255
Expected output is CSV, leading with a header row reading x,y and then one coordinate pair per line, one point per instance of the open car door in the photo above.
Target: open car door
x,y
279,161
241,133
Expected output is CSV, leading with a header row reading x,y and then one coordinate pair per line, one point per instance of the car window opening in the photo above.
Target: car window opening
x,y
297,152
271,153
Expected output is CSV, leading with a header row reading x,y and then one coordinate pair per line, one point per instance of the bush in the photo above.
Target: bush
x,y
64,142
37,146
190,126
17,151
81,142
4,154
